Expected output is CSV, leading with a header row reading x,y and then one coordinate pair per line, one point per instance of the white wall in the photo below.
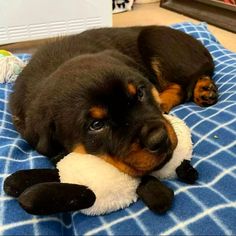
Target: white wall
x,y
22,20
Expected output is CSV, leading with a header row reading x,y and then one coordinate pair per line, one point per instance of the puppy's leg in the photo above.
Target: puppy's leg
x,y
53,197
205,92
171,97
155,195
17,182
172,93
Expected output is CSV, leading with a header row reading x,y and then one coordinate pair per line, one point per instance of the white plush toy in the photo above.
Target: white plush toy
x,y
113,189
118,190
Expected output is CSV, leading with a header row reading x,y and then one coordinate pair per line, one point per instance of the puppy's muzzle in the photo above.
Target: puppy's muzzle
x,y
155,138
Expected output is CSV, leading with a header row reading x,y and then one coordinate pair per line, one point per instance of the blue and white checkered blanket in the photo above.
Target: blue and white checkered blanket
x,y
207,208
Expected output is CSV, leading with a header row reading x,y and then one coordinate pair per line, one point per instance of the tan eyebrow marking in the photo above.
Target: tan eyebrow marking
x,y
132,89
97,112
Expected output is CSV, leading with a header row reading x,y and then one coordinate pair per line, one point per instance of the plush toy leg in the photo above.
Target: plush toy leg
x,y
186,172
16,183
50,198
155,195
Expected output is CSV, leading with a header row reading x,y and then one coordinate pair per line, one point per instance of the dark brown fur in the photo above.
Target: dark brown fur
x,y
96,91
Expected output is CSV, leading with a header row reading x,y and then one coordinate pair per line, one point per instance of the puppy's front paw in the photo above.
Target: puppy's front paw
x,y
155,195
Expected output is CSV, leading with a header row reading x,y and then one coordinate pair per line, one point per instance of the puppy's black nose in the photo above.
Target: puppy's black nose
x,y
155,138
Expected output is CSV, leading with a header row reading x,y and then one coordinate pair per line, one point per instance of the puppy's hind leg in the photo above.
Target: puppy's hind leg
x,y
205,92
171,97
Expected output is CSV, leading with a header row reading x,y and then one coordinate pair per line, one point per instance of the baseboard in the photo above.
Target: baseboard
x,y
212,12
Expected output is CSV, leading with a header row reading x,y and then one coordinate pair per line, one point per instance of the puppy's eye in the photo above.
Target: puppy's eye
x,y
96,125
141,93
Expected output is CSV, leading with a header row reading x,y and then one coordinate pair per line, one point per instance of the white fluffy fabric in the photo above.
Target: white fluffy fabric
x,y
114,189
182,151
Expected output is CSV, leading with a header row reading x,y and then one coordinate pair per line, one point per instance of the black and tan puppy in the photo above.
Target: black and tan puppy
x,y
104,92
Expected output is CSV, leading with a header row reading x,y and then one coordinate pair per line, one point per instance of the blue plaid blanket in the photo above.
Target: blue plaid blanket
x,y
207,208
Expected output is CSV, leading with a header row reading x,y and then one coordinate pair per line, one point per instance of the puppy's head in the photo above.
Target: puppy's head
x,y
112,111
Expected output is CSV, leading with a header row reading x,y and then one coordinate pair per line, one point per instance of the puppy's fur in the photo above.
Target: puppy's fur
x,y
104,92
